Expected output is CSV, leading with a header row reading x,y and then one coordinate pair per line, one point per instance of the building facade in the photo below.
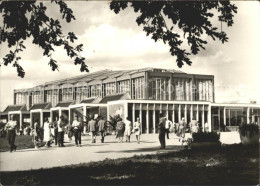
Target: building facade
x,y
142,93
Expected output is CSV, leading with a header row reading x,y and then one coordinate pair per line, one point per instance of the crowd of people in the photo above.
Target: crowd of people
x,y
54,132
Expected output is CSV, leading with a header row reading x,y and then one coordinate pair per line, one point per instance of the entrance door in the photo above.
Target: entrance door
x,y
215,123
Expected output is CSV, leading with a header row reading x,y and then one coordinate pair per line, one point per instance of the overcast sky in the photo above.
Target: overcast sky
x,y
116,42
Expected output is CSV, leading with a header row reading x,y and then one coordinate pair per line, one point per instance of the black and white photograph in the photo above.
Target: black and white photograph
x,y
129,92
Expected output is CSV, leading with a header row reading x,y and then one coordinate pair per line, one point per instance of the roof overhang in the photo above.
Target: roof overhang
x,y
59,108
19,112
39,110
88,105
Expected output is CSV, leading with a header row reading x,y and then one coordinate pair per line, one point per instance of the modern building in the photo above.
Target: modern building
x,y
142,93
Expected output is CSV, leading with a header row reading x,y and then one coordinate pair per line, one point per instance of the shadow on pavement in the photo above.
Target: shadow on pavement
x,y
150,149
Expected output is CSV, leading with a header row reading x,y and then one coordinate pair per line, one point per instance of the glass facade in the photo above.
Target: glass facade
x,y
235,116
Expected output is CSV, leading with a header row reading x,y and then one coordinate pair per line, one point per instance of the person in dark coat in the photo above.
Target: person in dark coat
x,y
92,126
162,130
61,129
55,125
102,128
10,127
120,128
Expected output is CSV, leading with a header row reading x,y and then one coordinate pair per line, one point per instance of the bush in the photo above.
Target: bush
x,y
205,137
252,129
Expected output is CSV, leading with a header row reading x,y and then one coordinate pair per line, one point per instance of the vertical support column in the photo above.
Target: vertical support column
x,y
248,115
192,88
108,112
156,89
179,113
213,90
147,119
164,89
51,113
209,118
21,120
170,88
253,116
154,131
224,112
173,114
31,120
219,118
41,118
191,112
160,108
59,112
125,111
70,117
146,86
140,116
167,111
185,113
131,87
203,119
84,114
197,114
15,98
133,114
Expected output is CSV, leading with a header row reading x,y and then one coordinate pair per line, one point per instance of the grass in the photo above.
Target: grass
x,y
229,165
22,142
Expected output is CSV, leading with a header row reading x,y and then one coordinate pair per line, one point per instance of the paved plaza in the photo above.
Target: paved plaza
x,y
27,159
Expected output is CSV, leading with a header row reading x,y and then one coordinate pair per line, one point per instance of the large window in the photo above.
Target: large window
x,y
123,86
110,88
204,90
235,117
159,88
67,94
181,89
36,97
138,88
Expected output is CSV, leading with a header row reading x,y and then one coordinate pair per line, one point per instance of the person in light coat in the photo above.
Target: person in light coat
x,y
128,129
47,133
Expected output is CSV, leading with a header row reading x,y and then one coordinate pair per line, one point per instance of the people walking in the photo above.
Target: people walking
x,y
102,128
76,126
137,129
92,129
182,129
161,130
128,129
61,129
168,125
47,133
11,127
120,128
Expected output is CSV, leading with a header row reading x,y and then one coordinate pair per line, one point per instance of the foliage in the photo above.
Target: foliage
x,y
24,19
205,137
113,120
251,129
163,20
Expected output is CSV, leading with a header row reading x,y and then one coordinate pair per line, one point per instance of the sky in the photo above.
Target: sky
x,y
115,41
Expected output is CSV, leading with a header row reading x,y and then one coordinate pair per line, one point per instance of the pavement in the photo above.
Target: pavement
x,y
27,159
